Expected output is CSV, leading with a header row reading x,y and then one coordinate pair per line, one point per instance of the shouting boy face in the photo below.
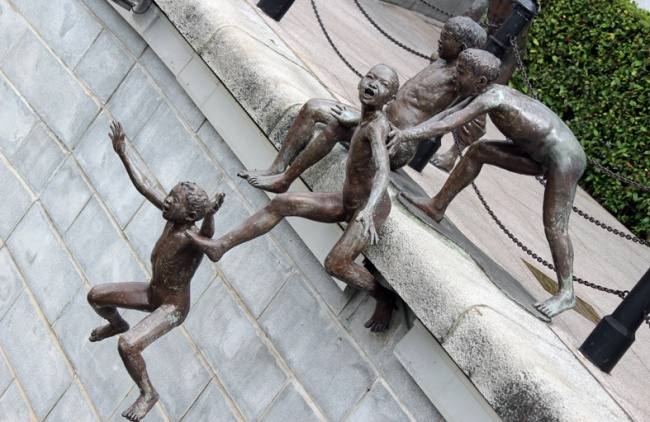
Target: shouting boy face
x,y
378,86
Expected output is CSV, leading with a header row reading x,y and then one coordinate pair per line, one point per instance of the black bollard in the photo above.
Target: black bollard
x,y
614,334
275,8
523,12
426,149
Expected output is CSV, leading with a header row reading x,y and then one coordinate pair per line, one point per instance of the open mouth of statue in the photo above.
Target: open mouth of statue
x,y
368,93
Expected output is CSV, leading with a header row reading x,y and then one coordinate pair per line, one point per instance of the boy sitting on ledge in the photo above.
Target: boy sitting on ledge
x,y
364,203
539,144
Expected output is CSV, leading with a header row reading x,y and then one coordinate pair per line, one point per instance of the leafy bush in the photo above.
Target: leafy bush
x,y
589,61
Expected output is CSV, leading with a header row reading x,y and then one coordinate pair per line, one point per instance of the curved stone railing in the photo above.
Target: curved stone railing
x,y
516,361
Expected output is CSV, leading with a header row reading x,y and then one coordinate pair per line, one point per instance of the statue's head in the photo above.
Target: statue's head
x,y
458,34
475,70
379,86
186,202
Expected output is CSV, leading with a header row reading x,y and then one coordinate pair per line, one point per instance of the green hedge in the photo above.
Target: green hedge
x,y
589,60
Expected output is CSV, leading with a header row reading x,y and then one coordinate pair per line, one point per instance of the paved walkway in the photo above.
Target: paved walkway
x,y
270,337
599,256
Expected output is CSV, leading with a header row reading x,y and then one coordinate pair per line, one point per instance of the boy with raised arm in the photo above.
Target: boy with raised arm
x,y
363,203
167,296
539,144
427,93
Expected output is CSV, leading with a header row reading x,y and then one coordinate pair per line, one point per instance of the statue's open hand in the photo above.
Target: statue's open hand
x,y
367,220
117,136
215,204
345,116
395,138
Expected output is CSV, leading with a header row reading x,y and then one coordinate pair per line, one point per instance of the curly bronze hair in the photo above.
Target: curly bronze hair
x,y
195,198
466,31
481,62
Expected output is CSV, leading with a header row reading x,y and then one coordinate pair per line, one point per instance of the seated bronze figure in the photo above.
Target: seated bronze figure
x,y
363,203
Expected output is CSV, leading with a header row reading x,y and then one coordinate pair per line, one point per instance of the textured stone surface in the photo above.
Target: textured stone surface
x,y
18,200
16,119
72,407
251,382
5,376
210,406
378,406
10,284
117,25
65,194
13,406
41,257
44,82
45,360
104,65
104,256
317,349
289,405
37,157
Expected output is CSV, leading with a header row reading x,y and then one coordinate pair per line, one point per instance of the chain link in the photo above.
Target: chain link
x,y
385,34
329,40
436,8
499,223
593,162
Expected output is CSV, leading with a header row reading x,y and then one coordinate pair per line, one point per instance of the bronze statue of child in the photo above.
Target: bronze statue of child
x,y
363,203
429,92
174,261
539,144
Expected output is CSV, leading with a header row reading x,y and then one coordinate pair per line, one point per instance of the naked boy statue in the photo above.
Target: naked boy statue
x,y
542,145
496,11
427,93
167,297
363,203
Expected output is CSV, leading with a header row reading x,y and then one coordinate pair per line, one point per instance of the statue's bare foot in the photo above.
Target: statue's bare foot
x,y
247,174
424,203
275,183
557,304
444,161
108,330
380,319
207,246
141,407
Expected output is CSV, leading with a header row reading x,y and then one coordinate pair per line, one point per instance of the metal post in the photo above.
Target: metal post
x,y
614,334
426,149
523,12
275,8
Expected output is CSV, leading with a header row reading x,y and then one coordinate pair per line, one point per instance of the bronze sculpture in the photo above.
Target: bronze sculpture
x,y
363,203
167,297
427,93
496,11
540,144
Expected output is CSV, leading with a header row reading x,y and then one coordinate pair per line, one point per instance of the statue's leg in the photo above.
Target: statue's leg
x,y
300,133
313,153
323,207
467,135
106,298
340,264
503,154
560,191
133,342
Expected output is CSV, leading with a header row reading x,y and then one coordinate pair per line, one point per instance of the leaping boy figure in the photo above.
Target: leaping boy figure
x,y
539,144
174,261
363,202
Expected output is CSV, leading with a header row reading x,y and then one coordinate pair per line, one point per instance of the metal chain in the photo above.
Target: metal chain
x,y
436,8
593,162
523,247
519,243
600,224
385,34
329,39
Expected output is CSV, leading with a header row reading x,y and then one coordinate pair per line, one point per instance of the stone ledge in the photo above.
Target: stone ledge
x,y
519,365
